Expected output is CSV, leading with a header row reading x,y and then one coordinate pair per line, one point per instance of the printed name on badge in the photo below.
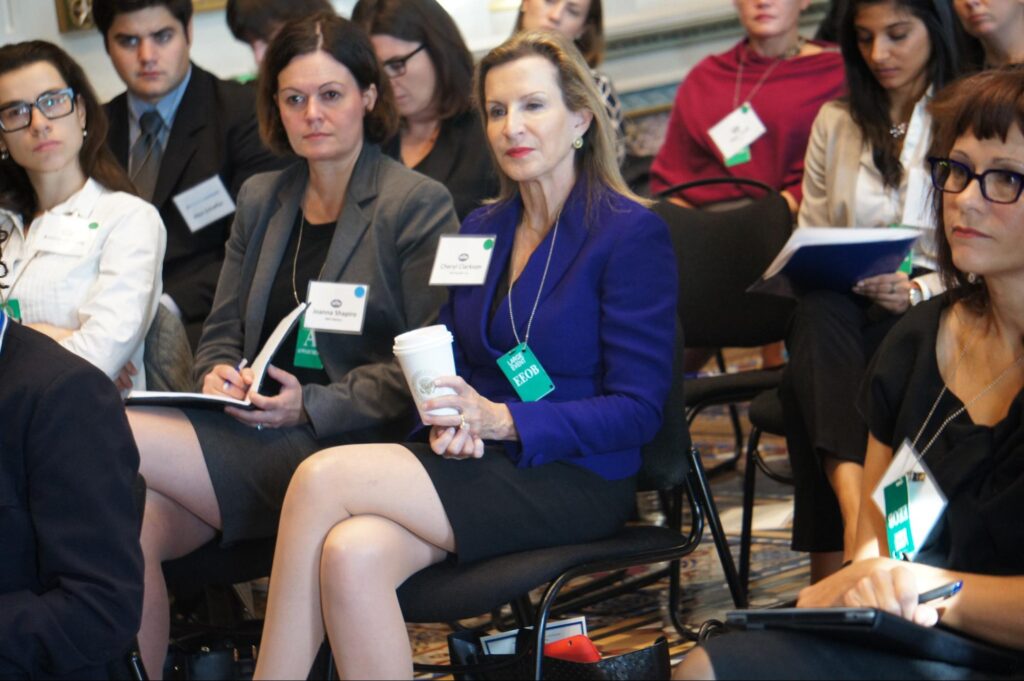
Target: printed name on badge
x,y
204,204
741,128
462,260
64,235
336,308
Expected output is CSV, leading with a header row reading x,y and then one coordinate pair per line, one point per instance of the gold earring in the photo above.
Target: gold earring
x,y
577,143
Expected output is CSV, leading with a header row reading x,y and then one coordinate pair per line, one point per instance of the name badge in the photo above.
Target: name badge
x,y
306,354
204,204
462,260
64,234
910,501
525,373
13,309
336,308
741,128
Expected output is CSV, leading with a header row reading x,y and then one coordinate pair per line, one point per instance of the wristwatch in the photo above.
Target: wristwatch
x,y
915,295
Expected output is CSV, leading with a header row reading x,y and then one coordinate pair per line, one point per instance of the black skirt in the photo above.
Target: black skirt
x,y
250,469
496,508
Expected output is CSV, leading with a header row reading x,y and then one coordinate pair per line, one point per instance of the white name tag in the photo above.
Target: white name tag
x,y
462,260
926,502
204,203
336,308
64,234
737,131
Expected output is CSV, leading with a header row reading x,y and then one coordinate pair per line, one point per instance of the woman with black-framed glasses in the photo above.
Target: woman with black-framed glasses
x,y
85,253
431,73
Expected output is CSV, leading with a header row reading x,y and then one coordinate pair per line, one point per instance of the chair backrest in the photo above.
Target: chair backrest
x,y
719,255
168,355
665,463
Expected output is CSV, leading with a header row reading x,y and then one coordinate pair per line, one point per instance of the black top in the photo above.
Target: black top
x,y
316,241
460,160
980,469
70,562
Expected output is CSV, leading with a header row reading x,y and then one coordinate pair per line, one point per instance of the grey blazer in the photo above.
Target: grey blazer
x,y
386,237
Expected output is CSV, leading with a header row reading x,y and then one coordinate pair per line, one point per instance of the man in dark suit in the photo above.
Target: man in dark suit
x,y
179,128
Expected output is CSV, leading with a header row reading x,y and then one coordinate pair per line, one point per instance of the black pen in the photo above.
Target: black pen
x,y
944,591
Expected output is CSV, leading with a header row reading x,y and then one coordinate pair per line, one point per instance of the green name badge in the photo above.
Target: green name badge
x,y
739,158
13,309
897,518
306,354
525,373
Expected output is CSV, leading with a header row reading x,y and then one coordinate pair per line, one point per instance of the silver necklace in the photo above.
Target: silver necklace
x,y
295,259
543,278
898,131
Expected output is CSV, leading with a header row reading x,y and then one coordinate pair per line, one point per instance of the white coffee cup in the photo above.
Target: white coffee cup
x,y
425,355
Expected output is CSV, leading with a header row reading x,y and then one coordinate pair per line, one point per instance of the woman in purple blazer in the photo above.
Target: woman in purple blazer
x,y
583,275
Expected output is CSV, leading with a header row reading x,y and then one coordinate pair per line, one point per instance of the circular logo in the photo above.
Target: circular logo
x,y
424,383
489,244
463,257
335,303
360,291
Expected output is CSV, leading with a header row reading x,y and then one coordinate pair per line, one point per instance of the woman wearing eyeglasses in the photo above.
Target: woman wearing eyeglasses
x,y
948,380
85,253
431,73
864,168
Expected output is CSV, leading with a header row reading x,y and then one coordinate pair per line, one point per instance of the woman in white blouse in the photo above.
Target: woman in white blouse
x,y
85,254
865,167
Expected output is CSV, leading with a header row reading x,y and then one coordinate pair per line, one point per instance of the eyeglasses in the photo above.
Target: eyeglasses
x,y
997,185
53,105
395,66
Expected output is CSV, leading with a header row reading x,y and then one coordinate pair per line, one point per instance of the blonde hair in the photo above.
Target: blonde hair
x,y
596,160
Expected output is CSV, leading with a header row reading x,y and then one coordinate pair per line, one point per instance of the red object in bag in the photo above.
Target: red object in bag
x,y
577,648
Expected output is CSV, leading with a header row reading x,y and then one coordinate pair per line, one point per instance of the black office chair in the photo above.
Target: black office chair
x,y
720,254
448,592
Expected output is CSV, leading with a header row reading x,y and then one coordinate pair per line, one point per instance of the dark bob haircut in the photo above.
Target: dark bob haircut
x,y
105,11
869,101
16,192
591,43
347,44
252,20
987,105
426,22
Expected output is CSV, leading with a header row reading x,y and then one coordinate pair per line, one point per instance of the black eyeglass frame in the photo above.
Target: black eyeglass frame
x,y
395,67
70,92
935,163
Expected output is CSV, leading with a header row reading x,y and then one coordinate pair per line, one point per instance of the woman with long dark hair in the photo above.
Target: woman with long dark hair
x,y
431,73
85,253
864,168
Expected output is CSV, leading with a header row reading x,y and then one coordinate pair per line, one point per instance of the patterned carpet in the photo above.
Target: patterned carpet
x,y
636,620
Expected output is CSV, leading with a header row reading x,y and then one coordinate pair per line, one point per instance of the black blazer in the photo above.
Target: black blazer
x,y
214,133
460,160
70,562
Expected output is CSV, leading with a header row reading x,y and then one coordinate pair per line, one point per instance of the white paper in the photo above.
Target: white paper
x,y
926,501
336,308
204,203
737,131
258,366
64,235
504,643
462,260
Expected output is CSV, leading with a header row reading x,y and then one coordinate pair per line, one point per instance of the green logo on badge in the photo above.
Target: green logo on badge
x,y
489,244
94,225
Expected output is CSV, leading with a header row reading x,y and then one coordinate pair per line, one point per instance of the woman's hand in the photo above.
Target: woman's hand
x,y
123,381
225,380
891,291
281,411
485,420
881,583
455,443
57,333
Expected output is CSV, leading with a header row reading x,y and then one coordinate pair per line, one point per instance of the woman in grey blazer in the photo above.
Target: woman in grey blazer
x,y
347,214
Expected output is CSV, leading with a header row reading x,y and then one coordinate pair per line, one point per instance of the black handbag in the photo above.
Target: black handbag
x,y
471,664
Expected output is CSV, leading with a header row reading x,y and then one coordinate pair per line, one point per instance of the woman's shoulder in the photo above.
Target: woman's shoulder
x,y
912,337
120,204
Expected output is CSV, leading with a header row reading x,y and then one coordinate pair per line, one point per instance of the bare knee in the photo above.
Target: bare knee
x,y
696,665
353,558
337,473
169,531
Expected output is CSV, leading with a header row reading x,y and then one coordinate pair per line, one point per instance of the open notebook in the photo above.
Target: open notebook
x,y
259,367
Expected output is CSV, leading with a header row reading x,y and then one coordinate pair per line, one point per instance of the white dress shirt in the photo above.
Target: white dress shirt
x,y
93,265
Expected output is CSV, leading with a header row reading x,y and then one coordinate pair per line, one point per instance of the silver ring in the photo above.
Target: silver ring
x,y
259,426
